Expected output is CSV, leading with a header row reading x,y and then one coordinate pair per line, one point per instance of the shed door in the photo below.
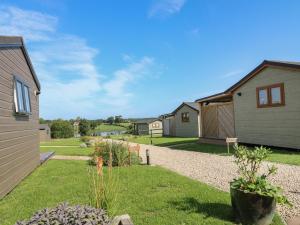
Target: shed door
x,y
226,121
210,121
218,121
166,127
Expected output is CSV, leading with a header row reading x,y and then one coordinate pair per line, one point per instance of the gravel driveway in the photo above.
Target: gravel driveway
x,y
218,170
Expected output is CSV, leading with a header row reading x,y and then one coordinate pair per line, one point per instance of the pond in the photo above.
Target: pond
x,y
108,133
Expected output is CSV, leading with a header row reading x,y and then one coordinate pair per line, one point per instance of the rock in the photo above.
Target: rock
x,y
83,145
122,220
92,142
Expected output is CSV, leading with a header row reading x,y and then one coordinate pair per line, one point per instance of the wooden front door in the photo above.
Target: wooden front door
x,y
226,121
210,121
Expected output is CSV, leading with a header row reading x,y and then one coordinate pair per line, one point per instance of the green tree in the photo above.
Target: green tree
x,y
84,127
42,121
61,129
110,120
93,124
118,119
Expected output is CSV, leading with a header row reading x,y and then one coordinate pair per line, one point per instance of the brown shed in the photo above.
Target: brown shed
x,y
44,133
19,114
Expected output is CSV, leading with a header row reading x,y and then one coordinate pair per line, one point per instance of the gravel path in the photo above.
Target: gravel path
x,y
218,170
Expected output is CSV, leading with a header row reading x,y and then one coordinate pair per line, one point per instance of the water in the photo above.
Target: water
x,y
108,133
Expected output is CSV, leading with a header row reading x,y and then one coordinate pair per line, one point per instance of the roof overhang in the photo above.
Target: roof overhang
x,y
183,104
220,97
226,96
259,68
18,42
146,121
167,115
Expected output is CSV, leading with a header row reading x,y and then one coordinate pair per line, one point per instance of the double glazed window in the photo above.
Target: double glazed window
x,y
22,97
185,117
270,96
155,125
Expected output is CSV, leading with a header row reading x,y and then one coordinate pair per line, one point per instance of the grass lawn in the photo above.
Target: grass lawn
x,y
74,151
62,142
277,155
150,195
108,127
159,141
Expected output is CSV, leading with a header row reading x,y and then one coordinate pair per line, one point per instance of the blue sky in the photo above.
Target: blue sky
x,y
143,58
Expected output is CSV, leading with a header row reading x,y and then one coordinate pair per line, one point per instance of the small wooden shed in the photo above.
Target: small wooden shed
x,y
147,125
44,133
168,124
217,116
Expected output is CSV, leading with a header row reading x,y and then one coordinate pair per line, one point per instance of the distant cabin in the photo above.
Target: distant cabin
x,y
263,108
19,114
168,124
146,126
183,121
44,133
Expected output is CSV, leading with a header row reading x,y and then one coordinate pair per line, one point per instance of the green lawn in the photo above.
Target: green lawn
x,y
277,155
150,195
62,142
108,127
74,151
159,141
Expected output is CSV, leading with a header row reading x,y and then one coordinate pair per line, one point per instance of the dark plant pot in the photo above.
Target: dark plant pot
x,y
252,208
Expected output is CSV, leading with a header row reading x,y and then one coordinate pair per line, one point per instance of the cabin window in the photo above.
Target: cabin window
x,y
185,117
22,97
270,96
155,125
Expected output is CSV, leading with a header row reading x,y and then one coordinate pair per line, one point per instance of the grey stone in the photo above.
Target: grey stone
x,y
83,145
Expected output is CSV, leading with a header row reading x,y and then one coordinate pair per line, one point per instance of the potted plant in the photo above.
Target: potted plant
x,y
253,198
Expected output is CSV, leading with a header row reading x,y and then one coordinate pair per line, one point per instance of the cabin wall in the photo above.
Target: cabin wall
x,y
274,126
187,129
19,139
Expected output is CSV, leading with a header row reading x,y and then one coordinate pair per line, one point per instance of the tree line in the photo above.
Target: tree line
x,y
61,128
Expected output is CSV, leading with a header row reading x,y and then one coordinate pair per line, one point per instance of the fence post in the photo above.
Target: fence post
x,y
151,136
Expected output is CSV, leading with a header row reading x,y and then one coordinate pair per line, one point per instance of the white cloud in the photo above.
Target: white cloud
x,y
231,74
71,83
165,8
115,88
35,26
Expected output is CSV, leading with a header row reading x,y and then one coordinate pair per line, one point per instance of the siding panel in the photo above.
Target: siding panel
x,y
275,126
187,129
19,150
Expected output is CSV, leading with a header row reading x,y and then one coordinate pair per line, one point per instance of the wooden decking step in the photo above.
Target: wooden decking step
x,y
212,141
45,156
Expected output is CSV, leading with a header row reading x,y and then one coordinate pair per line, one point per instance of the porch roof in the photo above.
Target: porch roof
x,y
220,97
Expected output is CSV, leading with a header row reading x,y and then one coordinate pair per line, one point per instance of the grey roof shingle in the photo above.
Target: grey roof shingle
x,y
145,120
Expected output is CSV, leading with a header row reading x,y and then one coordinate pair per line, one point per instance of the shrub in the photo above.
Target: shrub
x,y
65,214
85,139
104,187
249,163
84,127
129,129
121,154
61,129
